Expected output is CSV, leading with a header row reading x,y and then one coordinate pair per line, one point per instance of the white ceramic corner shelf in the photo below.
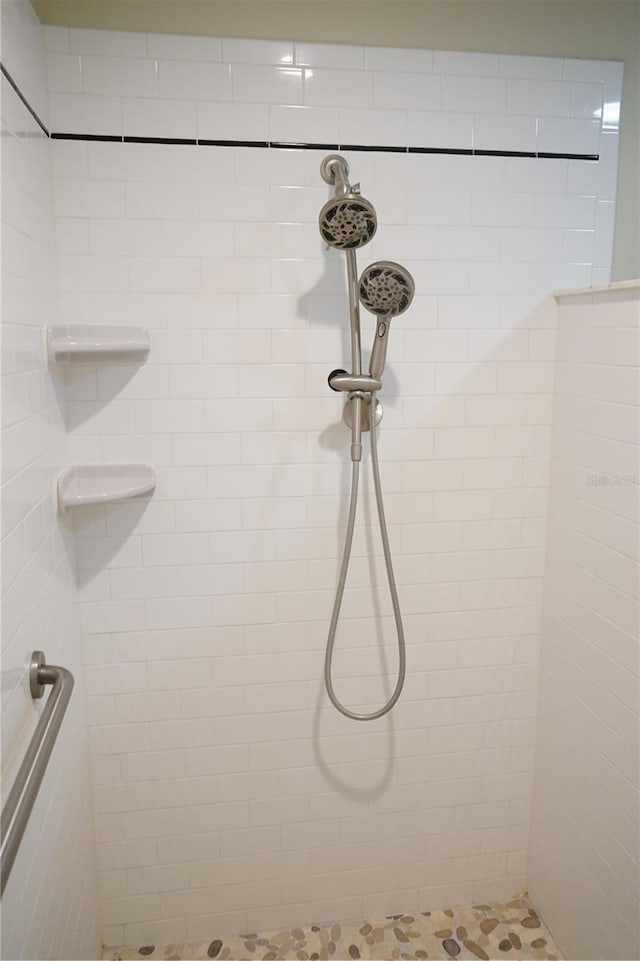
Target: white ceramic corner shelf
x,y
94,344
102,483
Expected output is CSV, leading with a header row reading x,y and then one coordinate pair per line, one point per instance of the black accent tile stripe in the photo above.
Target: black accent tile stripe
x,y
102,137
233,143
14,85
453,151
285,145
504,153
547,155
369,148
188,141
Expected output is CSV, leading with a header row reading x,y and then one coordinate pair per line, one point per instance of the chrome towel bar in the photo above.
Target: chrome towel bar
x,y
16,811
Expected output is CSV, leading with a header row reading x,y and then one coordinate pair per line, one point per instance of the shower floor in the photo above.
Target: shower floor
x,y
510,929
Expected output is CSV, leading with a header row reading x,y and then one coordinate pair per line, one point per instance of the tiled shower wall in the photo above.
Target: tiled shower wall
x,y
583,869
228,795
49,905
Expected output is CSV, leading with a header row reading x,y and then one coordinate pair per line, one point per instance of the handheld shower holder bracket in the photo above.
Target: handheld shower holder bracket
x,y
365,407
341,380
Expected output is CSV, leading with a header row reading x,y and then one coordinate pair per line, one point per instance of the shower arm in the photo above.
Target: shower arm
x,y
334,170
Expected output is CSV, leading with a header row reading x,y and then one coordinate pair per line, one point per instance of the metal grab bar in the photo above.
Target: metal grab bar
x,y
16,811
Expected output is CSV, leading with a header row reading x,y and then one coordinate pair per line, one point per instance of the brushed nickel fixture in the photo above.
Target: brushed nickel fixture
x,y
348,222
386,289
22,796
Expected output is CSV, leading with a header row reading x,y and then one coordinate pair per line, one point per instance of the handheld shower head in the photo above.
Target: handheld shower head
x,y
348,221
386,289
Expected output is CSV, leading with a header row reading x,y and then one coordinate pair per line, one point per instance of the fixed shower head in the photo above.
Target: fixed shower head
x,y
386,289
348,221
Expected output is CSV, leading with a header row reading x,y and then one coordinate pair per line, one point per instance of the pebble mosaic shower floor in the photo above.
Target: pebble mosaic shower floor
x,y
500,930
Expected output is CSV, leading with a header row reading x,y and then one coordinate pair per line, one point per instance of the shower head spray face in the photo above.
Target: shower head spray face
x,y
348,222
386,288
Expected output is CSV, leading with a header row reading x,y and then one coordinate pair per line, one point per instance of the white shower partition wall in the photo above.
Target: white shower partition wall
x,y
228,793
49,904
583,867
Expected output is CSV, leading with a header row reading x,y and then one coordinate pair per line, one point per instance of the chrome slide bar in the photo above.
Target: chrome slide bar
x,y
16,811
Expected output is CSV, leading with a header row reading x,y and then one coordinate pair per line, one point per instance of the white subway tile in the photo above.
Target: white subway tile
x,y
582,177
198,381
329,55
193,80
377,126
407,91
223,121
498,345
63,73
88,272
89,199
158,118
532,244
115,43
161,201
257,51
121,162
474,94
605,214
475,64
542,98
173,47
159,274
300,124
398,59
571,212
84,114
439,207
252,83
225,275
542,68
466,379
591,70
469,243
496,132
586,100
124,237
231,202
439,129
502,209
568,135
528,175
72,236
119,76
578,245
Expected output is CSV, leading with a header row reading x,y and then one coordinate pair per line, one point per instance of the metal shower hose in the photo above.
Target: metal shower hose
x,y
351,522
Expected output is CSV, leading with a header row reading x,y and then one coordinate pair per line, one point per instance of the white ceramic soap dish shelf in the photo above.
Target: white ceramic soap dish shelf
x,y
102,484
94,344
